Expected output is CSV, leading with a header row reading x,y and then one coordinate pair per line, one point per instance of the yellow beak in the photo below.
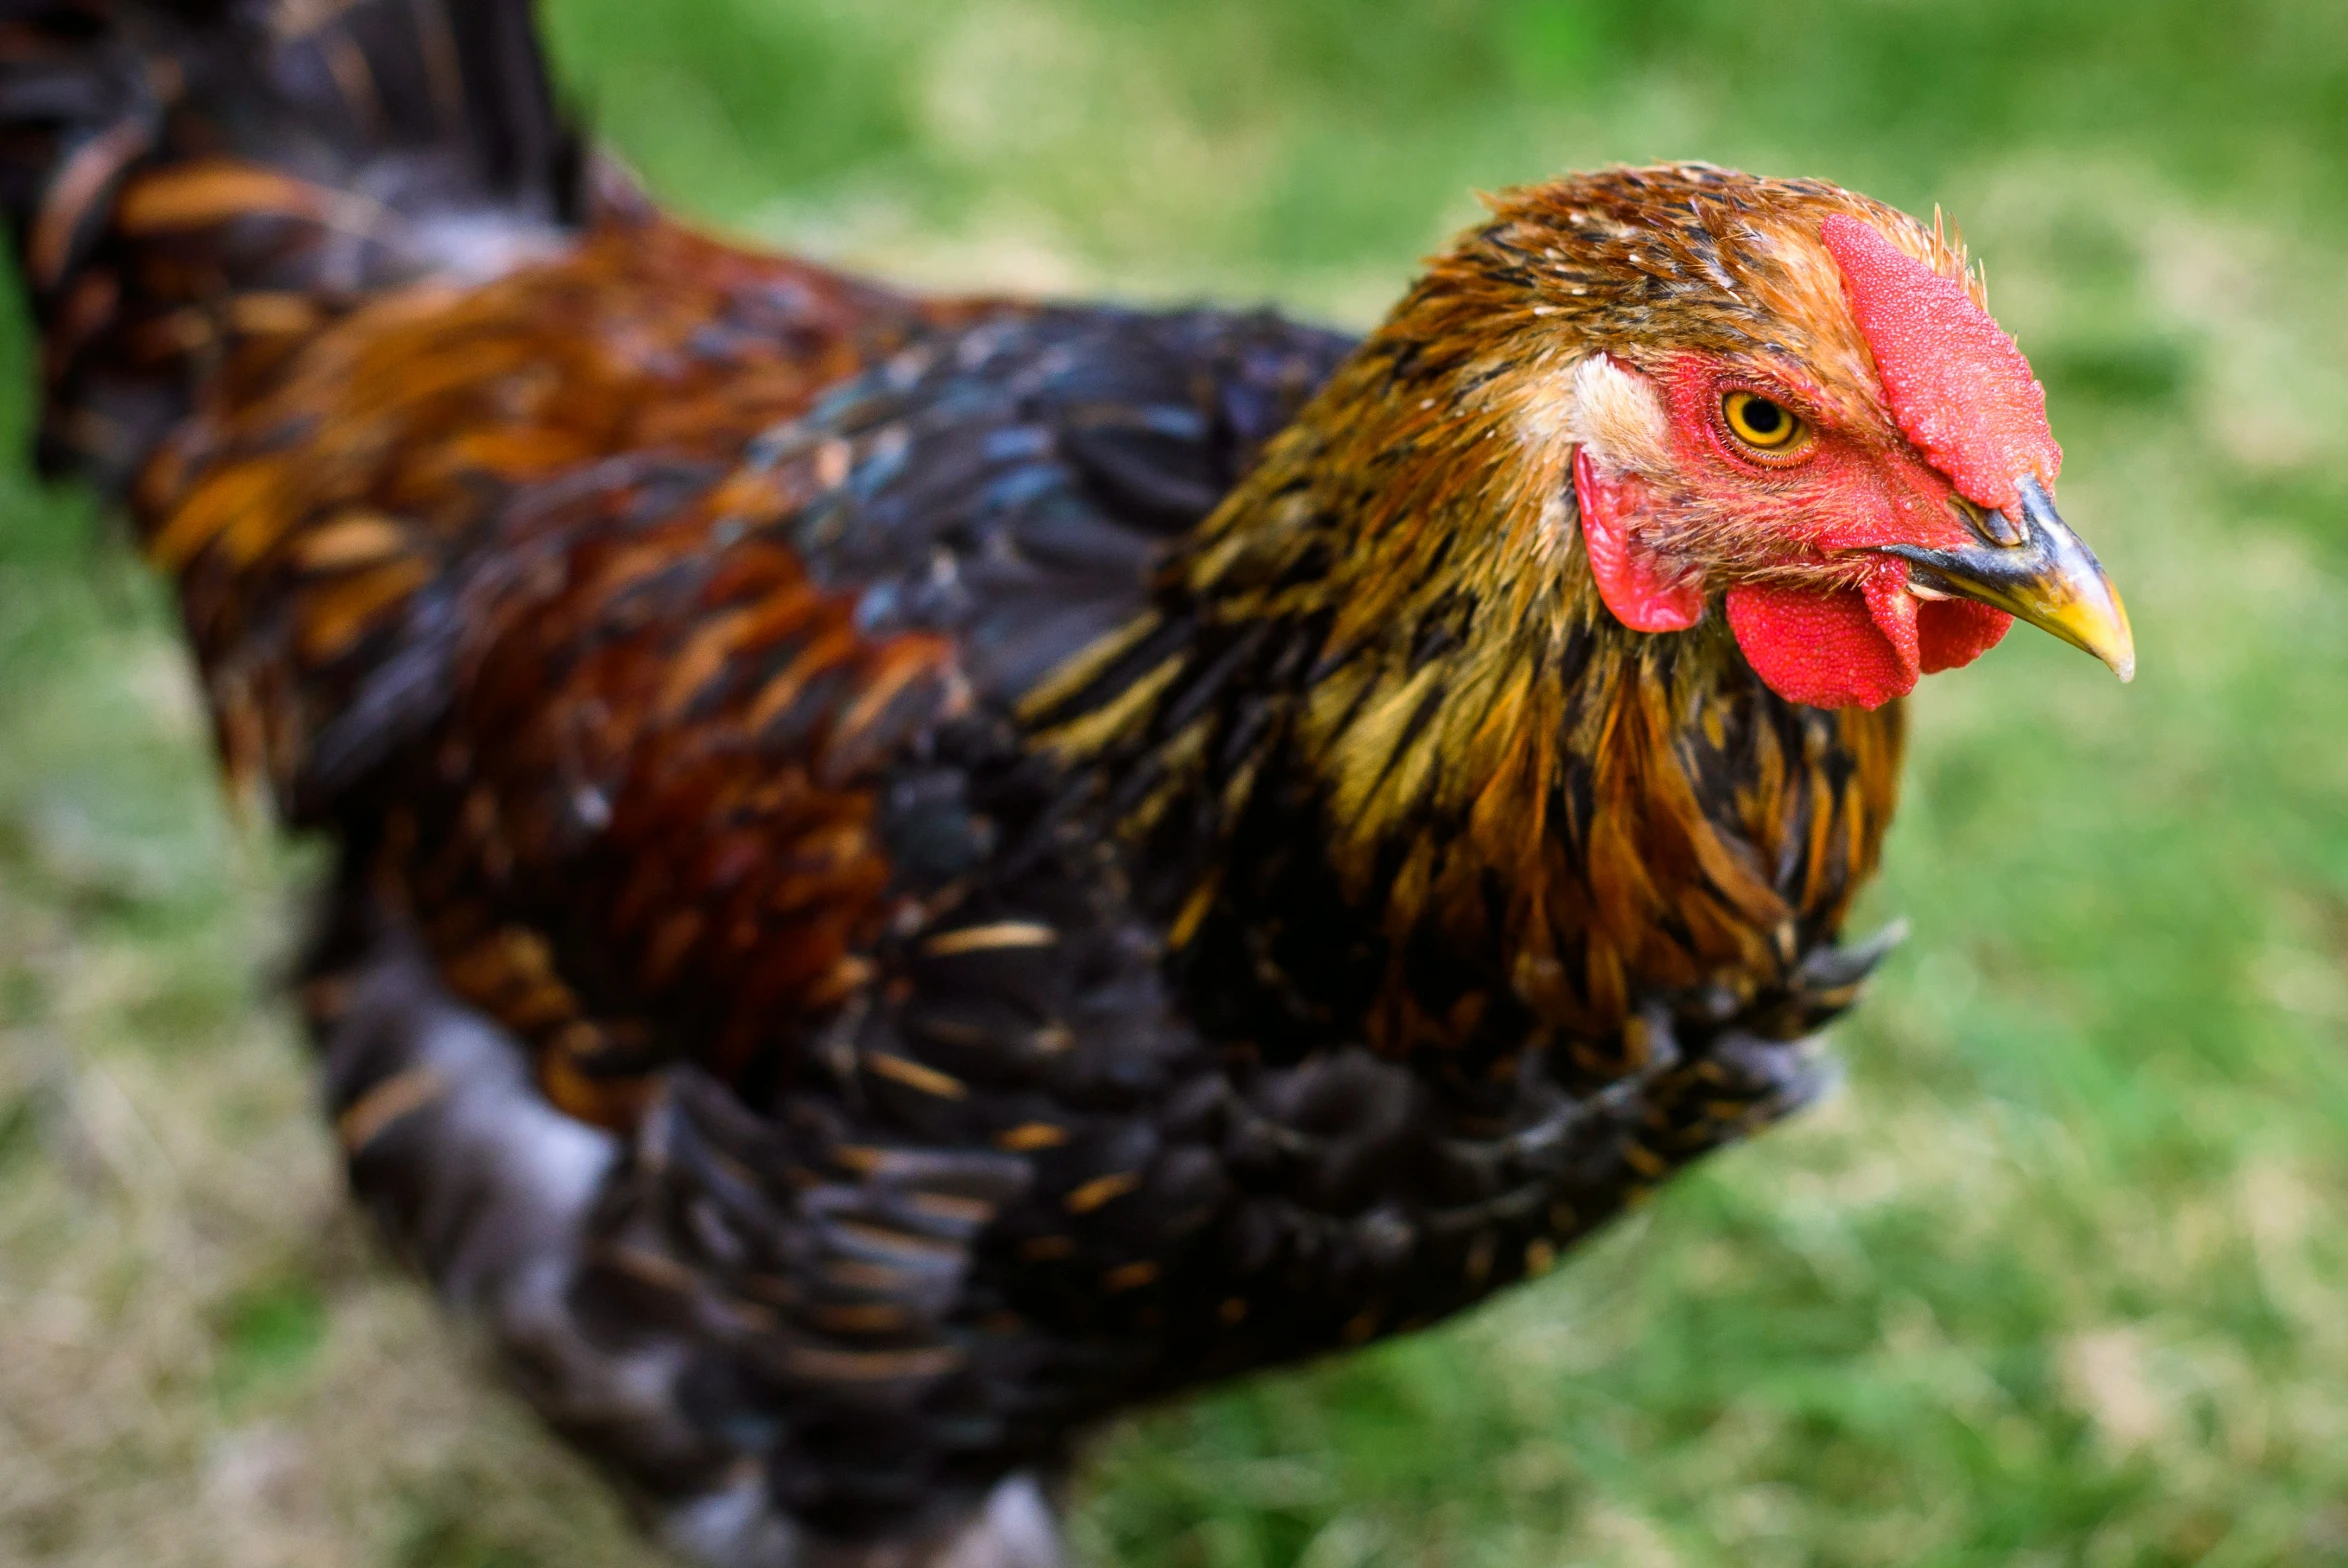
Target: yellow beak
x,y
2038,571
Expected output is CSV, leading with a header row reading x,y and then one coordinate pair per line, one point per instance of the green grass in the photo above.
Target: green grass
x,y
2057,1279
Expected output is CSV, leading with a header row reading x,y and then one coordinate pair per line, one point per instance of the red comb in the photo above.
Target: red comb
x,y
1958,385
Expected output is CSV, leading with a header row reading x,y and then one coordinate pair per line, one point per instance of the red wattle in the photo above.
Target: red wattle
x,y
1863,646
1952,633
1631,581
1817,646
1893,610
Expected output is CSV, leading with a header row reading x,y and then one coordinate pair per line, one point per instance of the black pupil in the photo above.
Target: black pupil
x,y
1763,417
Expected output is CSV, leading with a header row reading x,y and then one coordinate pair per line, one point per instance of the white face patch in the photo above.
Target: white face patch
x,y
1597,405
1617,414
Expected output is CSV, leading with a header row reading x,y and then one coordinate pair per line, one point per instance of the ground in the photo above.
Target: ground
x,y
2056,1278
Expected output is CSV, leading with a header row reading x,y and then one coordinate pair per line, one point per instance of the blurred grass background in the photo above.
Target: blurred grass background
x,y
2056,1280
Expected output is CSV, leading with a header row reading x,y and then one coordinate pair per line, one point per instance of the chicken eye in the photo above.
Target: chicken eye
x,y
1761,423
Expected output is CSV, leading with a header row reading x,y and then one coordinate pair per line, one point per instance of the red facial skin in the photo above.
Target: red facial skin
x,y
1822,620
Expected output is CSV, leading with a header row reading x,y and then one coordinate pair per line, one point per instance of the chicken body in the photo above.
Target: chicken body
x,y
916,872
703,761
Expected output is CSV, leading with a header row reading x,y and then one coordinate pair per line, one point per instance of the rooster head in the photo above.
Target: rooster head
x,y
1781,399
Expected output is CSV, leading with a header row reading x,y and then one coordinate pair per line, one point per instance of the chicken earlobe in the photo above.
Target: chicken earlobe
x,y
1638,589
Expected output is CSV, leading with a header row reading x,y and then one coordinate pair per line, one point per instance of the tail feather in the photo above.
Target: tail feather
x,y
194,186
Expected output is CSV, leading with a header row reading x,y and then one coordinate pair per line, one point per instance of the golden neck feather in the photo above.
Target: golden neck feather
x,y
1399,595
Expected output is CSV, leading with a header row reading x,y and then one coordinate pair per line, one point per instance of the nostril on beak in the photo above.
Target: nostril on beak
x,y
1990,527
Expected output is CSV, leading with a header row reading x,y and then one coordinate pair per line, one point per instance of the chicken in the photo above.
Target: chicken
x,y
916,871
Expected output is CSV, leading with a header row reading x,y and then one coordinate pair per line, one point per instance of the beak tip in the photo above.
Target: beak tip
x,y
2120,650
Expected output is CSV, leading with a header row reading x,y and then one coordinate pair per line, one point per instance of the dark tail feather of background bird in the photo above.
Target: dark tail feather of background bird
x,y
194,187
